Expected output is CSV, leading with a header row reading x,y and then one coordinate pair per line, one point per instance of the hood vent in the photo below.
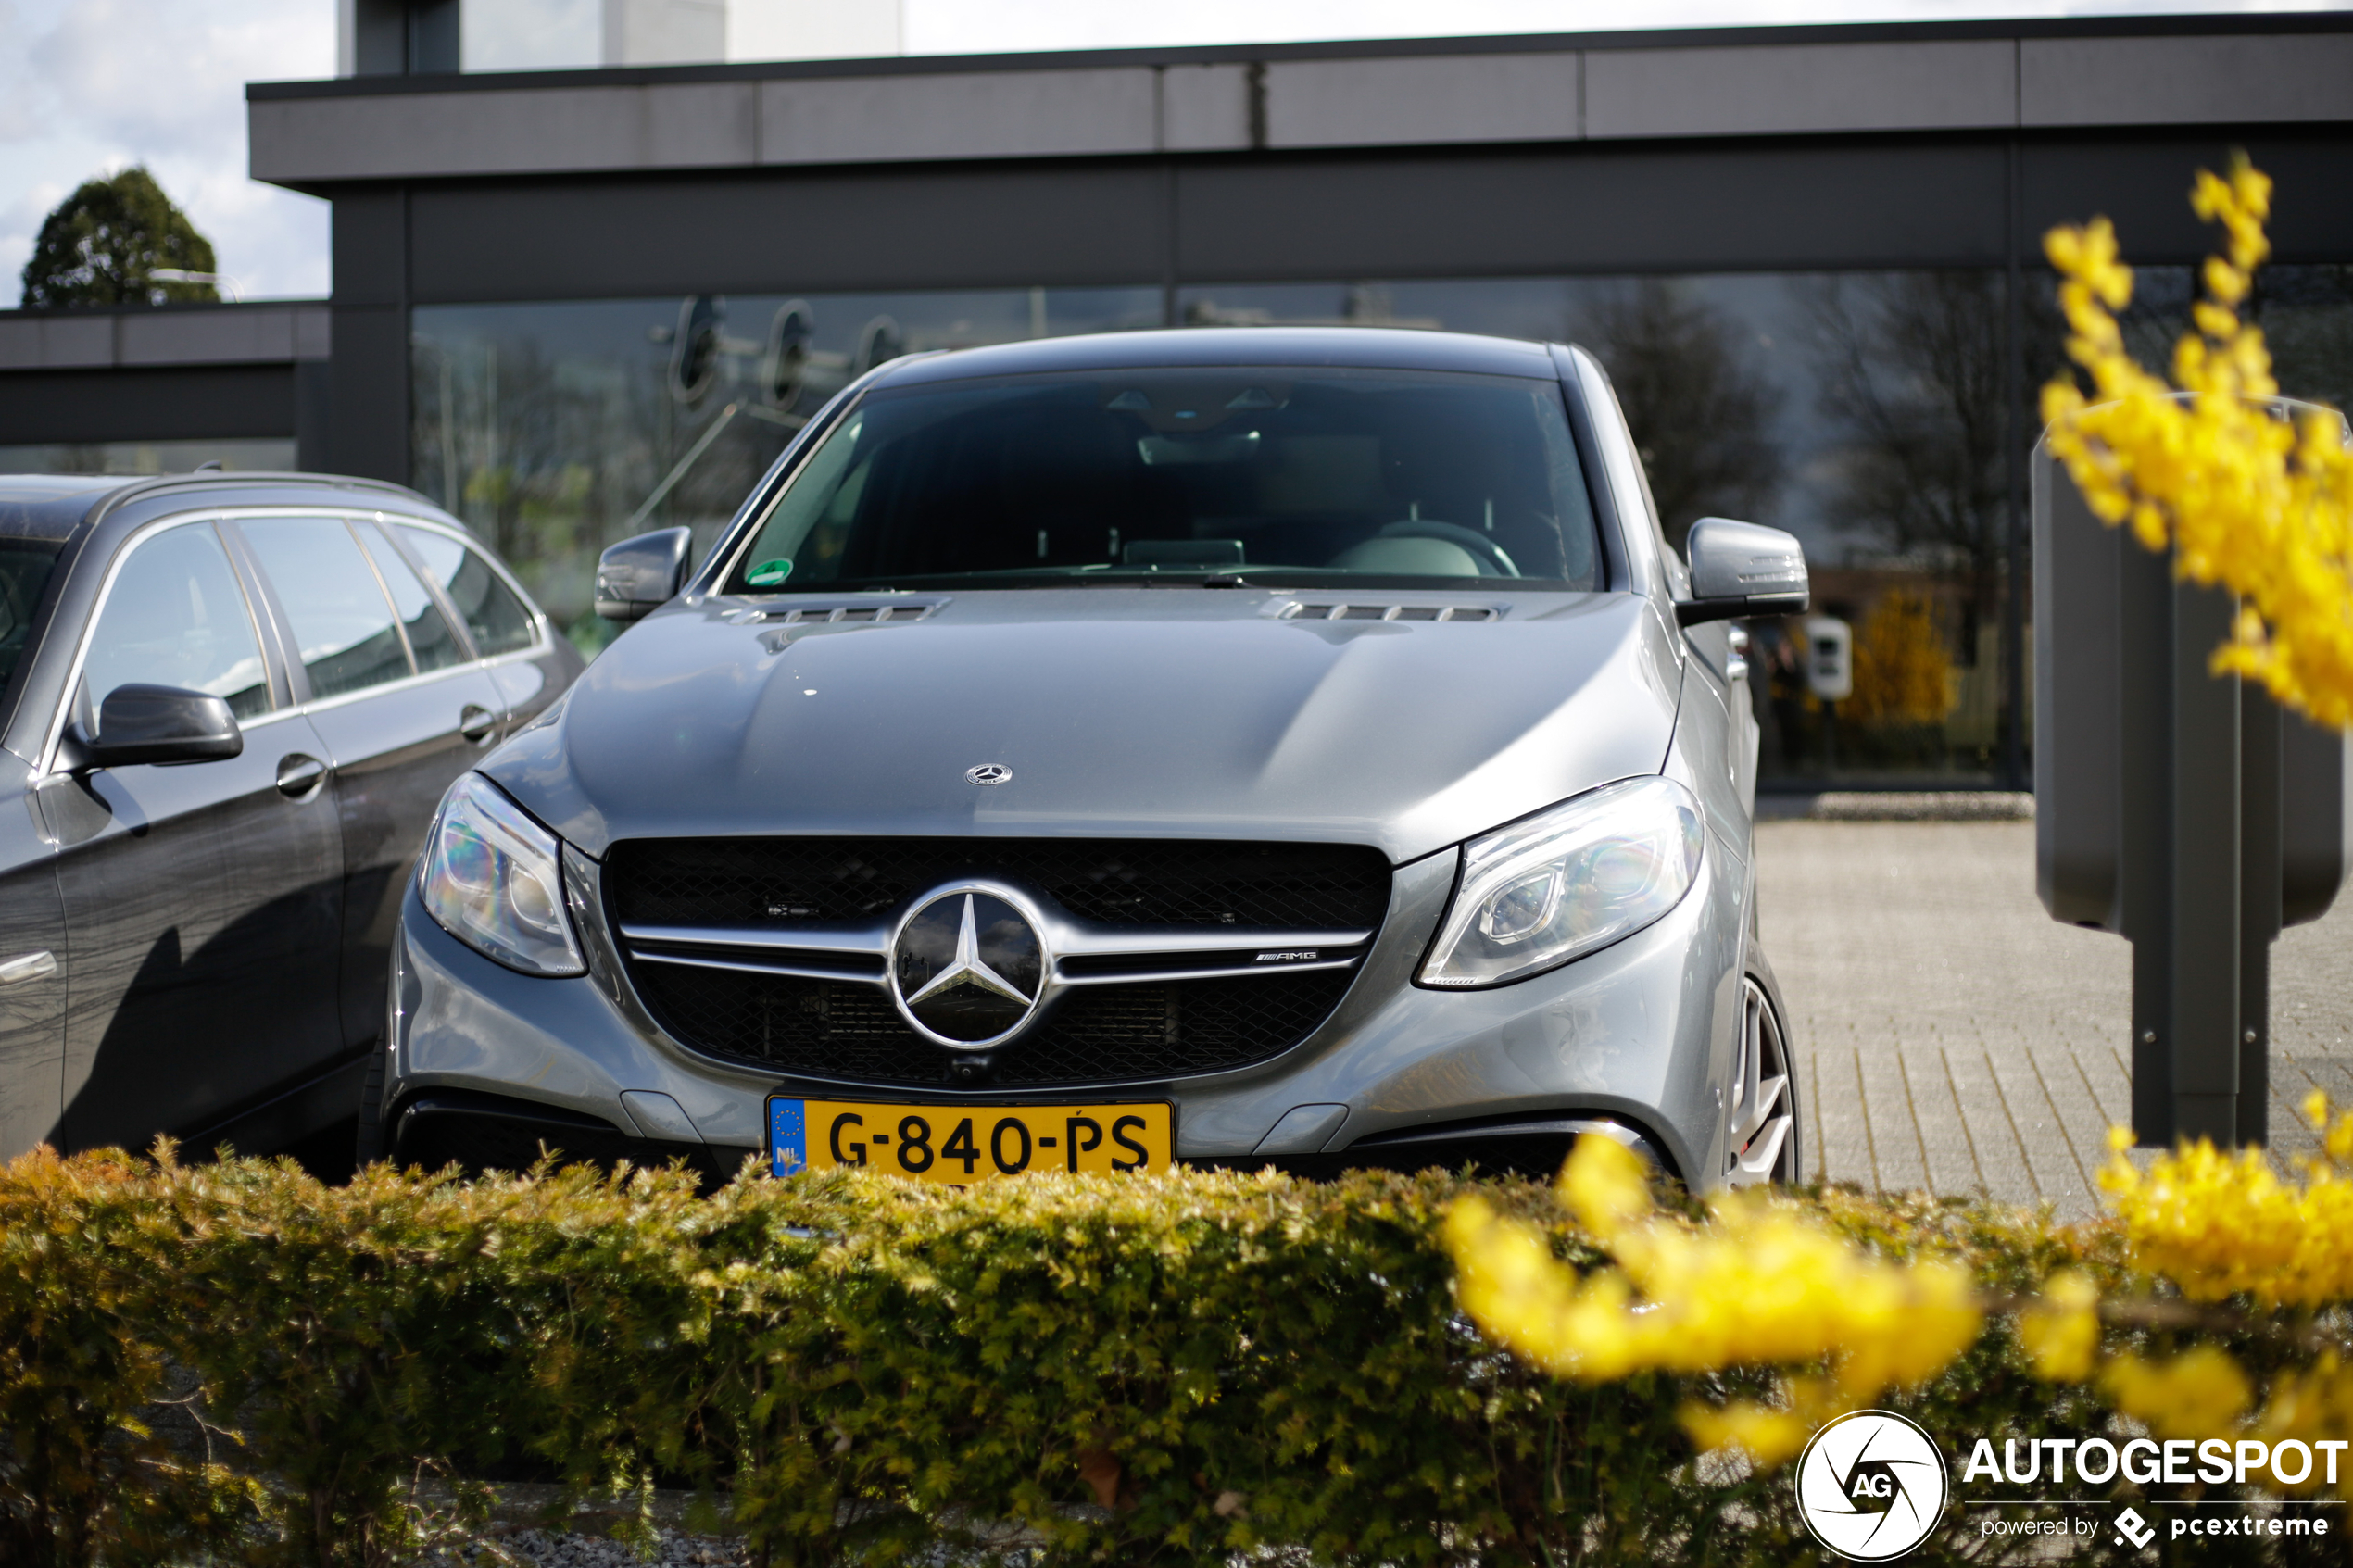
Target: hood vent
x,y
852,613
1390,612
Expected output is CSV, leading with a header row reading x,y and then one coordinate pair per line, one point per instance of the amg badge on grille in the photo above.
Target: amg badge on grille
x,y
989,773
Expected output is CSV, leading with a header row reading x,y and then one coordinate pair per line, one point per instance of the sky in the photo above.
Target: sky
x,y
91,87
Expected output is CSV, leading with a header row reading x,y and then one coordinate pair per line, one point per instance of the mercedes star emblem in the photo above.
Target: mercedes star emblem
x,y
967,968
989,773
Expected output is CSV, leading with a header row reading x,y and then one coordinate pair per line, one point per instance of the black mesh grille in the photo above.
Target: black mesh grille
x,y
780,883
1097,1033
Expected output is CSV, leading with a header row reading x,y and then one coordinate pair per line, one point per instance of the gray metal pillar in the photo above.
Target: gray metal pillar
x,y
2179,867
2184,811
2261,900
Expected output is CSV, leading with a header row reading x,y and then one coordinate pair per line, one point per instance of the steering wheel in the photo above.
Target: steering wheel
x,y
1493,561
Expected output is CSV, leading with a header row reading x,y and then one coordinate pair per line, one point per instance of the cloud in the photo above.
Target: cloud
x,y
95,85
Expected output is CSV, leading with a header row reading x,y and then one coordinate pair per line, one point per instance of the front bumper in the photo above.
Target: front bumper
x,y
1639,1035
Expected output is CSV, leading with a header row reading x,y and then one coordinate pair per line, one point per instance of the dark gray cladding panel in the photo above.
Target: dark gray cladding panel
x,y
965,227
1721,204
2142,182
369,247
367,391
213,402
1686,207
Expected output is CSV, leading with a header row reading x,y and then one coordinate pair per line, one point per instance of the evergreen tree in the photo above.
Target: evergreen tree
x,y
102,242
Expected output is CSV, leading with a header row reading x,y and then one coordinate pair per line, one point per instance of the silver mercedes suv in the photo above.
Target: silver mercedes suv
x,y
1230,747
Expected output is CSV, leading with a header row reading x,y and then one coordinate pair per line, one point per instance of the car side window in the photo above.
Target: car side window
x,y
498,620
430,639
342,624
176,616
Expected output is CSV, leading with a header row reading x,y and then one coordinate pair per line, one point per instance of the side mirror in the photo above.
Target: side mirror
x,y
1739,568
159,725
639,576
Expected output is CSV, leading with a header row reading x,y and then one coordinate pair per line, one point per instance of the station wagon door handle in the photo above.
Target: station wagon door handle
x,y
298,775
476,723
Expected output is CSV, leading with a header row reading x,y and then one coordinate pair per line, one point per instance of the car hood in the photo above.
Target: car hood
x,y
1121,713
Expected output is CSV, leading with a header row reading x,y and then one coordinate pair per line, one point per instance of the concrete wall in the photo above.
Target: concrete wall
x,y
185,372
225,334
932,110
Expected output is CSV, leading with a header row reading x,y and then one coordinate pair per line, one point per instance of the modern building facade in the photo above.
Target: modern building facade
x,y
571,305
153,390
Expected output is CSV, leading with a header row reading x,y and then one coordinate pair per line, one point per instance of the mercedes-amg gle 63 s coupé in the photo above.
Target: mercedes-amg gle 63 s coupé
x,y
1292,747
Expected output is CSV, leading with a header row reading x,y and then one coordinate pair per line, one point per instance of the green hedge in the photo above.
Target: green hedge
x,y
1170,1370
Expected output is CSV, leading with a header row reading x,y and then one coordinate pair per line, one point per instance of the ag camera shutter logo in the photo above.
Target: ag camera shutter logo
x,y
1871,1485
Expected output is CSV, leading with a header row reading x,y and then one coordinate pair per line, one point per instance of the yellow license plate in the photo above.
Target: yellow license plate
x,y
962,1144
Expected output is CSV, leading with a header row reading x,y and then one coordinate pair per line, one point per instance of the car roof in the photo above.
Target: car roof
x,y
54,508
50,506
1352,347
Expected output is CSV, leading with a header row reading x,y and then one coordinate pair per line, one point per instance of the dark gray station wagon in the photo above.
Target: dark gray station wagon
x,y
231,703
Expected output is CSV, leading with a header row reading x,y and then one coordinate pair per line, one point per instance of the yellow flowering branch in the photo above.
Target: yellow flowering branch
x,y
2258,503
1760,1285
2217,1246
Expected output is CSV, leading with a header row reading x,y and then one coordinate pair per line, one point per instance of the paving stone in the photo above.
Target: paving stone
x,y
1952,1036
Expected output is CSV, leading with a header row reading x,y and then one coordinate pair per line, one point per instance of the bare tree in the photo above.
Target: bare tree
x,y
1910,367
2307,316
1698,410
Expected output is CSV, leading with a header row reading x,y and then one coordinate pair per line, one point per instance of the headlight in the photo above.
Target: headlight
x,y
1554,887
491,876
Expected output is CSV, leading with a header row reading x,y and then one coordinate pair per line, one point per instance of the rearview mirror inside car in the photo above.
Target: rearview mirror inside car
x,y
1740,568
158,725
639,576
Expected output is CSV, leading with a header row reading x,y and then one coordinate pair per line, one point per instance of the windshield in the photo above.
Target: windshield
x,y
1283,476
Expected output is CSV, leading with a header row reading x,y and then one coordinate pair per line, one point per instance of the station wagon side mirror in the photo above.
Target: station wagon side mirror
x,y
639,576
1739,570
157,724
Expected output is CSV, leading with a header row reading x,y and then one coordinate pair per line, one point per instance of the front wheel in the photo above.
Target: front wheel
x,y
1762,1130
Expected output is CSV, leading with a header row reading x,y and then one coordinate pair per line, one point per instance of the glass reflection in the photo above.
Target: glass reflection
x,y
1867,412
556,428
1863,412
264,456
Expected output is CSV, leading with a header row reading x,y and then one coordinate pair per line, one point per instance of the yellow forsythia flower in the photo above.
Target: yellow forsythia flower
x,y
2062,1333
1759,1285
2261,505
2222,1225
2312,1406
2197,1394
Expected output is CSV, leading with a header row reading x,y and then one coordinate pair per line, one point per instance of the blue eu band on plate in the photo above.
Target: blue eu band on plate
x,y
960,1144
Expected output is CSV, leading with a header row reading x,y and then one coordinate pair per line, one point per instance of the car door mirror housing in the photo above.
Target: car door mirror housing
x,y
159,725
639,576
1740,568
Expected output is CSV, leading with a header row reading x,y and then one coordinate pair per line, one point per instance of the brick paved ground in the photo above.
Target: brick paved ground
x,y
1950,1035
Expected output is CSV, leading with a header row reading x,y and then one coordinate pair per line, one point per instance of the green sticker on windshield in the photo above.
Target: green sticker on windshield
x,y
768,573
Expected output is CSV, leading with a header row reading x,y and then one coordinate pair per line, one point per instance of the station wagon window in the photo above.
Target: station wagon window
x,y
430,639
497,619
25,566
176,616
342,624
1287,475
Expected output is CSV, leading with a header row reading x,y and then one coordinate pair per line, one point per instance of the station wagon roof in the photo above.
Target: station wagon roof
x,y
54,508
